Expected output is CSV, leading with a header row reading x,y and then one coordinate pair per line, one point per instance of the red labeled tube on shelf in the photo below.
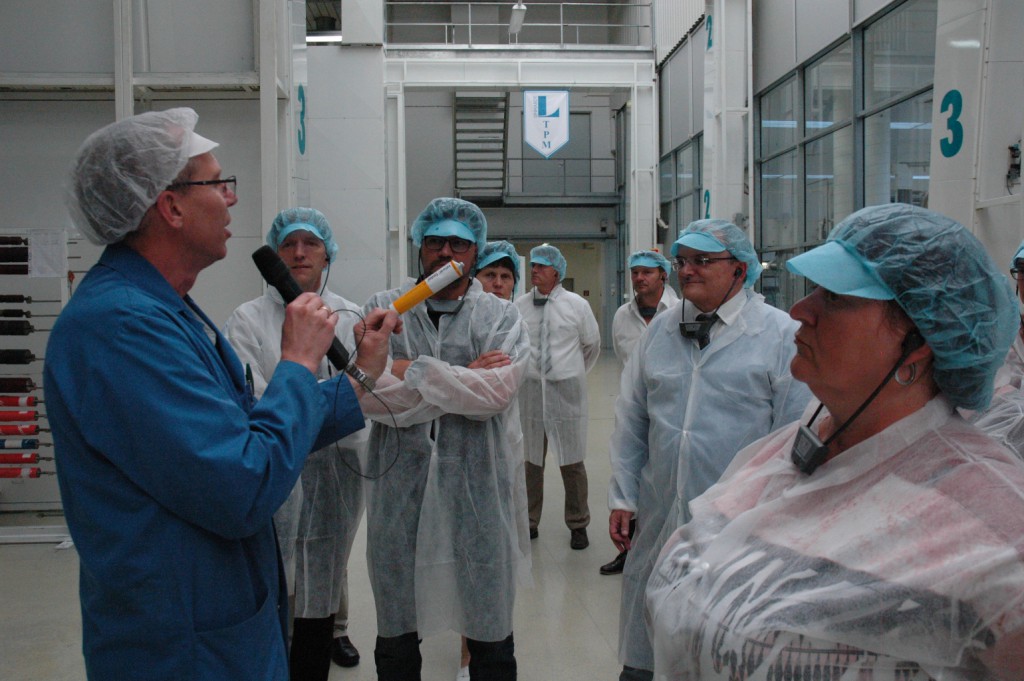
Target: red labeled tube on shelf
x,y
32,472
19,429
19,415
24,457
18,401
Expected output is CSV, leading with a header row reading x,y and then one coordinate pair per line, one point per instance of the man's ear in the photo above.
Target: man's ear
x,y
168,205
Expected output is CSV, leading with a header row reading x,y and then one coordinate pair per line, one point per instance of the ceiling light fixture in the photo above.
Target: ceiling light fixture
x,y
515,23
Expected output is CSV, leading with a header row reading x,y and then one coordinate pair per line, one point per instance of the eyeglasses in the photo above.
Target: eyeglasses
x,y
436,243
227,184
1017,274
696,261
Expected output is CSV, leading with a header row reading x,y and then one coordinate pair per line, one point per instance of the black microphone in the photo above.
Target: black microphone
x,y
276,273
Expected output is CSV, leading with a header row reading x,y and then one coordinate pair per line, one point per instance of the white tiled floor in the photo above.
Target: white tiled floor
x,y
566,623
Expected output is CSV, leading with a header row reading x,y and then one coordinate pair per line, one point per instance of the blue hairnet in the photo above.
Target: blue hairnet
x,y
730,237
120,170
1018,255
649,259
309,219
498,250
949,287
546,254
446,208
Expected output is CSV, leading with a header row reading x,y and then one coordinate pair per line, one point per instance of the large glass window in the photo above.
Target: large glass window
x,y
835,138
680,191
778,118
899,52
828,90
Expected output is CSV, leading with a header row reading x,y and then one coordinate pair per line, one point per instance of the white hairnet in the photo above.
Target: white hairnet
x,y
309,219
546,254
121,169
447,208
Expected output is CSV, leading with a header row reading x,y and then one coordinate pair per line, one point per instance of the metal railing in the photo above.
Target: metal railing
x,y
476,24
561,176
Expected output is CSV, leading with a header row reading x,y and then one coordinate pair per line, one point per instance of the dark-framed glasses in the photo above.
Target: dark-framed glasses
x,y
696,261
1017,273
225,185
436,243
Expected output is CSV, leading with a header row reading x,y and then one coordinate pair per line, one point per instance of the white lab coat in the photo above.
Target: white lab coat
x,y
901,558
681,416
628,325
317,524
555,403
447,532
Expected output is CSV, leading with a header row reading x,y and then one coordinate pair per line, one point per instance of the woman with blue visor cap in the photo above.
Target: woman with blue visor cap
x,y
882,540
497,269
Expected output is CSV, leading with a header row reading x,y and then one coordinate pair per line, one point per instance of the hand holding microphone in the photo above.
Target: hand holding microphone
x,y
371,336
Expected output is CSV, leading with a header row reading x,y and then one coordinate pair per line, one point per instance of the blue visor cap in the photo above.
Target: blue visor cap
x,y
492,258
1018,255
645,261
298,226
541,260
833,267
451,228
698,241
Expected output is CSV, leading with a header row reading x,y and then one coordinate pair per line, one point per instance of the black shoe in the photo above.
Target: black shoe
x,y
614,567
578,539
344,653
533,533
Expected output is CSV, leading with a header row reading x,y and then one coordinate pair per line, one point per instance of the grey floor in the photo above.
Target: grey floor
x,y
566,623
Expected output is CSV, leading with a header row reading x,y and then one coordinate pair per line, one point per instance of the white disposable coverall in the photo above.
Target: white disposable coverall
x,y
899,559
564,334
317,524
446,518
681,416
628,325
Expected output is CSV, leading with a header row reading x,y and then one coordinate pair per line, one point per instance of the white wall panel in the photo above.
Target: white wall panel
x,y
672,19
67,37
774,41
818,24
865,9
347,173
194,36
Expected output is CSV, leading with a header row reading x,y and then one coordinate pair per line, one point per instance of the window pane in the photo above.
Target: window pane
x,y
778,118
829,93
778,201
897,152
899,51
687,212
685,171
665,173
828,193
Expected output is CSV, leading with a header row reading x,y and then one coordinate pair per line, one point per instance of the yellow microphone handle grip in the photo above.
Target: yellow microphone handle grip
x,y
428,287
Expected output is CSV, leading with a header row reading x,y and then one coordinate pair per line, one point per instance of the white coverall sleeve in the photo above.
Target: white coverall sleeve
x,y
628,444
590,336
246,333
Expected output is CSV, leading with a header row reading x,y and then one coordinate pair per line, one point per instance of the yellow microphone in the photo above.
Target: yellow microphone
x,y
428,287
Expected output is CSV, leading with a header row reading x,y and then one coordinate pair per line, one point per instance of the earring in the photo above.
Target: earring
x,y
911,379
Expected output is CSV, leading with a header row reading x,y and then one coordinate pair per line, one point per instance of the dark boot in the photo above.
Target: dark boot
x,y
398,658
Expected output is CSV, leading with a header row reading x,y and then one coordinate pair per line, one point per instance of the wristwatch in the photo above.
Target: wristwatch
x,y
360,376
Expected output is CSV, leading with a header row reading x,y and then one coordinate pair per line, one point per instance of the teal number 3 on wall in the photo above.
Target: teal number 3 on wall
x,y
302,121
954,102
